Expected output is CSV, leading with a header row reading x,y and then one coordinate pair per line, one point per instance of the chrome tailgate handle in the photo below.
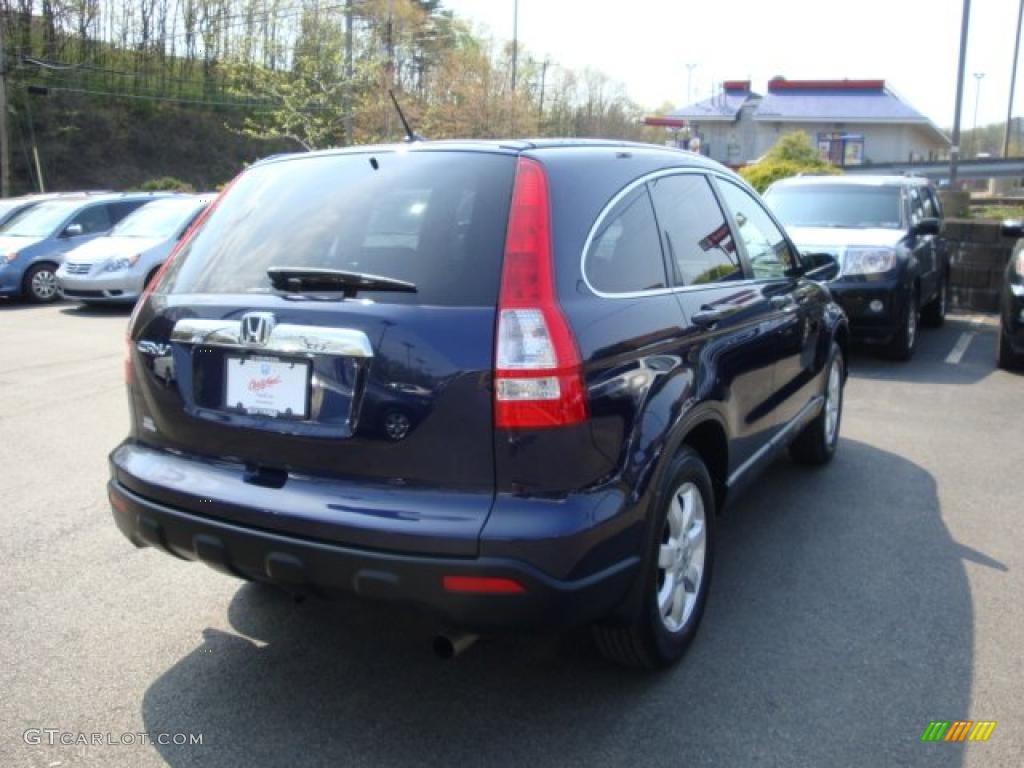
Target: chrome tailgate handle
x,y
284,338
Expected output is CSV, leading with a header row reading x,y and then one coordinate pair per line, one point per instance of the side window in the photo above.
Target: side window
x,y
119,210
769,252
93,219
916,207
926,203
932,207
693,230
624,254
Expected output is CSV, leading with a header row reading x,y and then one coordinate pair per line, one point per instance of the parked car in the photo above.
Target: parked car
x,y
14,206
116,267
1010,350
886,232
595,345
33,245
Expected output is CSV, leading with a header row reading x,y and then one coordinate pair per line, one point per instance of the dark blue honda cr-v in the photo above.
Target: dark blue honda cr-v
x,y
512,382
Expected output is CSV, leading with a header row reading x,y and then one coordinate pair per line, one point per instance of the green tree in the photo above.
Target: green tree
x,y
792,154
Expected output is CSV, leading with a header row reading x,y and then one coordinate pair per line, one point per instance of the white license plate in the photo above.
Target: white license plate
x,y
268,387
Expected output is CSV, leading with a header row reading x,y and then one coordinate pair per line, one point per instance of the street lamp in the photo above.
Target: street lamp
x,y
977,97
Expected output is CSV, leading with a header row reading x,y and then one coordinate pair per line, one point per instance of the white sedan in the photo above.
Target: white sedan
x,y
117,267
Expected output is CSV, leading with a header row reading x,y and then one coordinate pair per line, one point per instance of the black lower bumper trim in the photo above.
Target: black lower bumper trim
x,y
329,568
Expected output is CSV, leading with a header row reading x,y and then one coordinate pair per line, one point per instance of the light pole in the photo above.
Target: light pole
x,y
689,81
977,97
954,150
1013,82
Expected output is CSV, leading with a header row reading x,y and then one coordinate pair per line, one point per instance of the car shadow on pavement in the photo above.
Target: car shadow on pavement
x,y
97,310
840,623
929,363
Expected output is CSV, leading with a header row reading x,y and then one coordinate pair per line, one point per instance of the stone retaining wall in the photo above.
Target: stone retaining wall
x,y
978,256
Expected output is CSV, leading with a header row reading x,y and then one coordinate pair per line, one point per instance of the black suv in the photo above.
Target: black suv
x,y
513,382
1010,347
886,232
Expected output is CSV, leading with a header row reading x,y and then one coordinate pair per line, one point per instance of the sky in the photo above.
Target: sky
x,y
646,45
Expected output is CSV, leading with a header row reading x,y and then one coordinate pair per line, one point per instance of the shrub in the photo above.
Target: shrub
x,y
166,184
792,154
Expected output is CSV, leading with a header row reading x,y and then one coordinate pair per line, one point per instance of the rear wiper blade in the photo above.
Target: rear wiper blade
x,y
312,279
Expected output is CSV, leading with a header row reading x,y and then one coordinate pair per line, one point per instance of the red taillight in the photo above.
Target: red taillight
x,y
493,585
538,379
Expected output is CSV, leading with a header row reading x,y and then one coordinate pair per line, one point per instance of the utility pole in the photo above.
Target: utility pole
x,y
977,97
5,146
348,73
543,81
954,150
515,42
1013,82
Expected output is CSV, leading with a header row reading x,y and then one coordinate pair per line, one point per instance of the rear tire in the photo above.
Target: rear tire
x,y
1006,358
816,444
934,313
904,342
676,573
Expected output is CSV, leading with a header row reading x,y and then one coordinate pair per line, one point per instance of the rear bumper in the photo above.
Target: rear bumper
x,y
868,324
322,567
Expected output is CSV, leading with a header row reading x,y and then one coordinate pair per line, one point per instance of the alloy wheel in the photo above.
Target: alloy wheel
x,y
912,322
833,402
44,284
681,557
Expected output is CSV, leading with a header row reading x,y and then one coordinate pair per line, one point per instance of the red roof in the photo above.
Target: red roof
x,y
780,84
666,122
736,85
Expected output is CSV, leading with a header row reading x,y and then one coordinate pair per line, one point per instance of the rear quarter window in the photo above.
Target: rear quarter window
x,y
436,219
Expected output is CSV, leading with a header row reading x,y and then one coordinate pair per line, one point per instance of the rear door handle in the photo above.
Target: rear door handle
x,y
708,317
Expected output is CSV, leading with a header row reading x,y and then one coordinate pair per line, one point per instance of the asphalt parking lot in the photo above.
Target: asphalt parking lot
x,y
850,606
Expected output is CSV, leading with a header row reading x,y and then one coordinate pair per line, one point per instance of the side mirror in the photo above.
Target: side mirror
x,y
72,230
927,226
819,266
1012,228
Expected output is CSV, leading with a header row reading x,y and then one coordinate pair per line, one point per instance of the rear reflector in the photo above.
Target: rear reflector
x,y
117,502
494,585
538,378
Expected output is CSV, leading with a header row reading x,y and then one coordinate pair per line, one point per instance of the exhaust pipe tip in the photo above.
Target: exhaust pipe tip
x,y
448,645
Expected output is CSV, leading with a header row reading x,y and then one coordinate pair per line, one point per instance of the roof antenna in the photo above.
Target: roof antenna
x,y
410,134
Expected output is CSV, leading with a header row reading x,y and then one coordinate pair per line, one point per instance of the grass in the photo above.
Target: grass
x,y
997,212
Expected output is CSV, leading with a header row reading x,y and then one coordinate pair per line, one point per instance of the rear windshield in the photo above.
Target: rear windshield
x,y
836,205
436,219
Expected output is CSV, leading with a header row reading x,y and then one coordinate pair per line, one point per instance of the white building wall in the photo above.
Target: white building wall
x,y
883,142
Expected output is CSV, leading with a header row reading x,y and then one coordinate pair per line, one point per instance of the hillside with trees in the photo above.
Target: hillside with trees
x,y
115,92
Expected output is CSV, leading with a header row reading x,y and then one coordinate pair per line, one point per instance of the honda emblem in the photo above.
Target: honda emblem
x,y
256,328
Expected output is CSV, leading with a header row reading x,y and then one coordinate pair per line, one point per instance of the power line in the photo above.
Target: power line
x,y
257,106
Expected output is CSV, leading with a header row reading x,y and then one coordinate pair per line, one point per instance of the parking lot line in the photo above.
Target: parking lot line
x,y
957,353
